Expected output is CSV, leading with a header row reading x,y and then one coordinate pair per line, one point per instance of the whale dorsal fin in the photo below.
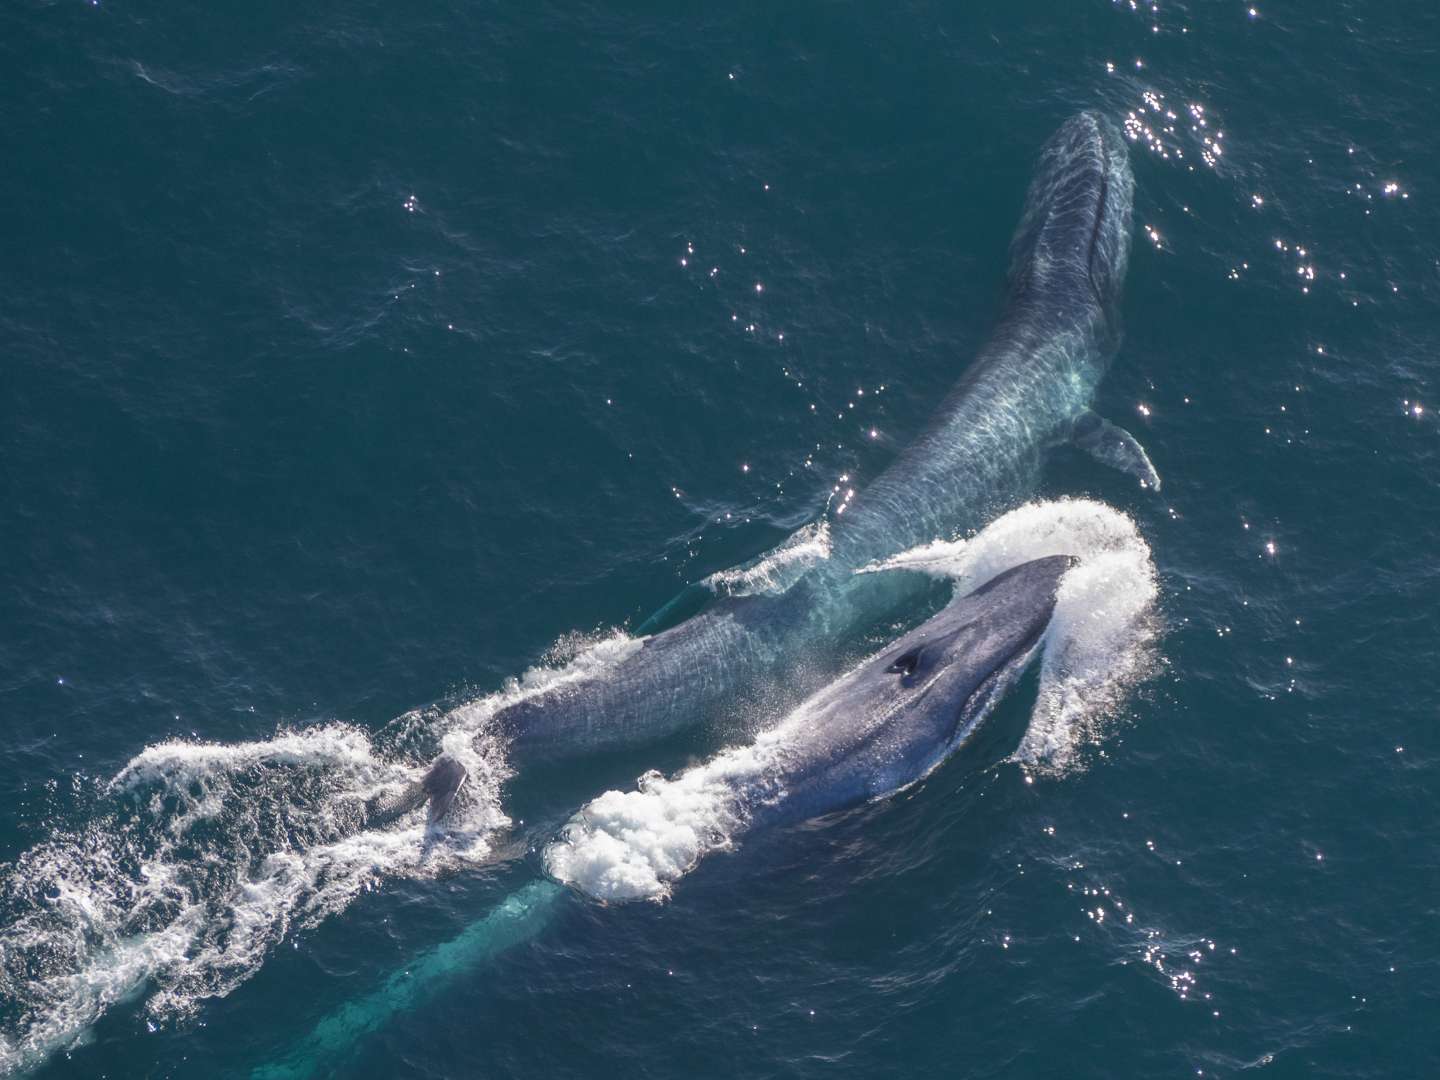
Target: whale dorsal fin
x,y
1114,446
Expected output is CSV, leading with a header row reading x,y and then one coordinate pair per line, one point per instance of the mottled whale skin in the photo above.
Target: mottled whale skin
x,y
875,730
890,721
1030,387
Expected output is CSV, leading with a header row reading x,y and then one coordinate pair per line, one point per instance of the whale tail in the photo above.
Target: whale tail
x,y
441,782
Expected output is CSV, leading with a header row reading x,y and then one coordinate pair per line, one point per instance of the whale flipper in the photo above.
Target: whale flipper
x,y
446,777
441,781
1114,446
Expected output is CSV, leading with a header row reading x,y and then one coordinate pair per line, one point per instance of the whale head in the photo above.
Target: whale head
x,y
1073,241
894,718
879,728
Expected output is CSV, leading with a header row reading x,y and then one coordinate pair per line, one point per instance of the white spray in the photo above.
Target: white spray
x,y
209,854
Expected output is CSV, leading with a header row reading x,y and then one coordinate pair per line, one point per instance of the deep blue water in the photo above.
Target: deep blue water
x,y
351,363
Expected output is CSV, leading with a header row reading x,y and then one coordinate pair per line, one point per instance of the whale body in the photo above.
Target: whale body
x,y
879,728
897,716
1029,388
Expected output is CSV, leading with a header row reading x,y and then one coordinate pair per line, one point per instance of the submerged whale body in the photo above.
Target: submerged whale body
x,y
1029,388
884,725
879,728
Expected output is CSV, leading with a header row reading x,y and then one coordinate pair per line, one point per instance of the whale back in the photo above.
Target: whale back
x,y
979,455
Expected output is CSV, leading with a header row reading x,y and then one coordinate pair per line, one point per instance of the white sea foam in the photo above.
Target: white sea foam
x,y
633,845
778,569
204,856
636,844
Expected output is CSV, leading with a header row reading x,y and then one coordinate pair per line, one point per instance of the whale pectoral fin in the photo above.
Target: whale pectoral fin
x,y
1114,446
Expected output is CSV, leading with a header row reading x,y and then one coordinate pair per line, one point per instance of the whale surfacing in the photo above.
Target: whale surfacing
x,y
897,716
1029,389
881,727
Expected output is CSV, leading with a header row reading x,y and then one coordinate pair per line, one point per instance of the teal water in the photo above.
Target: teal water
x,y
351,364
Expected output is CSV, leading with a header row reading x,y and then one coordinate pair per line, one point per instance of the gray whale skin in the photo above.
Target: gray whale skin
x,y
1029,388
890,721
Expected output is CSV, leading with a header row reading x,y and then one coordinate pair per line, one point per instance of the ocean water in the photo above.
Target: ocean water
x,y
362,359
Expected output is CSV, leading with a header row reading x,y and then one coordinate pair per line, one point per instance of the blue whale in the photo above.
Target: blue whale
x,y
890,721
1029,388
883,726
879,728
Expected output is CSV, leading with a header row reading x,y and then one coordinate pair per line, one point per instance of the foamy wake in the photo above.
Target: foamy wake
x,y
775,571
204,856
636,844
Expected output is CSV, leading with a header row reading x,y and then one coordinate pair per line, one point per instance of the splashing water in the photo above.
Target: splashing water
x,y
634,845
774,572
1101,638
201,858
1100,642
